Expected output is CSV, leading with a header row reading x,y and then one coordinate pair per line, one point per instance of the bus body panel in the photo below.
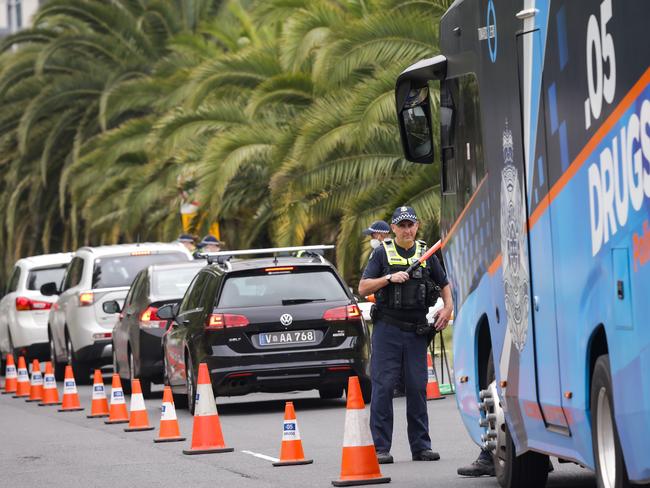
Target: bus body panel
x,y
555,227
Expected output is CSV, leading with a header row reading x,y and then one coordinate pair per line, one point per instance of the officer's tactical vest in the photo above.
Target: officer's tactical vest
x,y
416,293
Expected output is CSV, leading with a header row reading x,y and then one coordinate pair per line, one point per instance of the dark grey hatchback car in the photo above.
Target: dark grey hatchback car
x,y
267,324
137,335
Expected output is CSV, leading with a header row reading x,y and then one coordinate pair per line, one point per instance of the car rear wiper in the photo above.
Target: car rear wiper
x,y
294,301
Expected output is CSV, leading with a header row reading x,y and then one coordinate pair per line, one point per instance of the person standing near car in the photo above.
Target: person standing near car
x,y
188,241
378,231
401,334
208,244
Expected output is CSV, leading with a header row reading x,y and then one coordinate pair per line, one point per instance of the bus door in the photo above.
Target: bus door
x,y
540,242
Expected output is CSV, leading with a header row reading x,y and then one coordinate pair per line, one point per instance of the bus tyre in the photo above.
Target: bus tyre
x,y
610,466
529,470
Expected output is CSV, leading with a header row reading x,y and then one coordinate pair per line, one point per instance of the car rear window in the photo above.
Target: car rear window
x,y
172,282
38,277
281,289
114,271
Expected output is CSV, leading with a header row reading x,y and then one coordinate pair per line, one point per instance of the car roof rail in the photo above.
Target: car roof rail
x,y
222,256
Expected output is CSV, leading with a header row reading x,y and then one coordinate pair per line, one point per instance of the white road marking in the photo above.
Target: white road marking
x,y
262,456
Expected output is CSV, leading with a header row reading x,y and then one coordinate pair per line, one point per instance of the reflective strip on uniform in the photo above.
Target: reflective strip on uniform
x,y
50,382
11,372
23,375
357,429
69,387
37,379
205,402
167,411
137,402
117,396
291,431
395,259
99,393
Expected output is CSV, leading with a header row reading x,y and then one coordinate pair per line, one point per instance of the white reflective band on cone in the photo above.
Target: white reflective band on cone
x,y
137,402
357,429
167,411
291,431
22,375
117,396
69,386
50,382
205,403
99,393
431,376
11,372
37,379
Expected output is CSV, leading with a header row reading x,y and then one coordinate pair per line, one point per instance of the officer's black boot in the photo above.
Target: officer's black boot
x,y
483,466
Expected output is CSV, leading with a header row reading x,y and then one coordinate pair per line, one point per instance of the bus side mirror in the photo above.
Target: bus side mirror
x,y
415,126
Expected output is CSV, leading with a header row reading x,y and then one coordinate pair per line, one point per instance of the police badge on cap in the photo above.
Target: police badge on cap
x,y
404,213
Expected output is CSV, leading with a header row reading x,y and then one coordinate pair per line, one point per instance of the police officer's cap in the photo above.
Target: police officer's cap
x,y
404,213
210,240
186,238
378,226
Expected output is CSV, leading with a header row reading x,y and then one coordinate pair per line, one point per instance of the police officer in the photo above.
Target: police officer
x,y
187,240
208,244
401,334
378,231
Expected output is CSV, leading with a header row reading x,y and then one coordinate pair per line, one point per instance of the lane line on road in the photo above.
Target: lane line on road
x,y
262,456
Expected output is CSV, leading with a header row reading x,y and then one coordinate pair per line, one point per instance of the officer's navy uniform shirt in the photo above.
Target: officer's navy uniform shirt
x,y
378,267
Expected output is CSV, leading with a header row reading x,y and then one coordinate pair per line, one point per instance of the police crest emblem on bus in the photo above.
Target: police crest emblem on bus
x,y
513,247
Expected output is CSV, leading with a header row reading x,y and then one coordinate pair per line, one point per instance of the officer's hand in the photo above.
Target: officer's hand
x,y
442,319
399,277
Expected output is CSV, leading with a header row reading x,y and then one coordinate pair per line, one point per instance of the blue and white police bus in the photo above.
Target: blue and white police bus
x,y
544,147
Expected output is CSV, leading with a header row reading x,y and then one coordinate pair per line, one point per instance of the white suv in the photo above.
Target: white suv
x,y
79,330
24,310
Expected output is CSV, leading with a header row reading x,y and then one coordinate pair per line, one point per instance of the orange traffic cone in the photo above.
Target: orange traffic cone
x,y
22,384
99,404
169,431
117,411
206,434
70,395
433,390
11,377
36,383
291,452
359,465
139,420
50,393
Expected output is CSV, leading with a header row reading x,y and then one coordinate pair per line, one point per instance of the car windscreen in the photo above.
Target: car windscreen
x,y
38,277
172,282
281,289
114,271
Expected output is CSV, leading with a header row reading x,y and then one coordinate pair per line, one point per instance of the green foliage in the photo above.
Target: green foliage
x,y
276,115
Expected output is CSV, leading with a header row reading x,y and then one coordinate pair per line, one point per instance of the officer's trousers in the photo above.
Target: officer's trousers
x,y
392,350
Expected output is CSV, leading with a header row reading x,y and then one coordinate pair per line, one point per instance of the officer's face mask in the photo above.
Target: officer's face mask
x,y
375,243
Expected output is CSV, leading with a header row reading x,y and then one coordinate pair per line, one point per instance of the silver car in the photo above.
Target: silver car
x,y
80,331
24,310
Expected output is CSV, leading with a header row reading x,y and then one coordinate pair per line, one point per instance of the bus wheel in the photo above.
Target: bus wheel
x,y
610,467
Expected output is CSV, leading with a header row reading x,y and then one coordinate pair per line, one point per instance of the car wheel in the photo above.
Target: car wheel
x,y
610,466
127,383
57,367
190,383
81,370
13,349
331,392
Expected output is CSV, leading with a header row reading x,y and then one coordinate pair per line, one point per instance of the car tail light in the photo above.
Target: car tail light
x,y
218,321
149,319
279,269
348,312
86,298
24,304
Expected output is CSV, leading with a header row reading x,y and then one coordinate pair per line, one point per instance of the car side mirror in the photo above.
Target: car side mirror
x,y
167,312
49,289
111,307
